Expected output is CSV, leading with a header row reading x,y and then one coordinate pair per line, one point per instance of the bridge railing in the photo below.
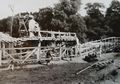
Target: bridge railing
x,y
51,35
99,46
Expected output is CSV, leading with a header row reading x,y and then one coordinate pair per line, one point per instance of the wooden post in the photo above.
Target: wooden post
x,y
60,51
0,55
70,50
66,52
4,48
76,50
39,51
12,51
100,48
79,50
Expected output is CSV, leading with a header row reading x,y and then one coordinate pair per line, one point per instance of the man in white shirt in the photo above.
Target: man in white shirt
x,y
33,27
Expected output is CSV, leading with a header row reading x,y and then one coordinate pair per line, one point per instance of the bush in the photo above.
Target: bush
x,y
91,58
114,73
116,49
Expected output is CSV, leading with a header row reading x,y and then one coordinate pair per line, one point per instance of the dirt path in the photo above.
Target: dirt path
x,y
52,74
62,72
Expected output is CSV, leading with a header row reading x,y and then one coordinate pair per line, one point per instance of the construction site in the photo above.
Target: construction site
x,y
54,57
49,57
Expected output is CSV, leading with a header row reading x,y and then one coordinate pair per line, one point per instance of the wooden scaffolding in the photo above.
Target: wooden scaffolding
x,y
62,45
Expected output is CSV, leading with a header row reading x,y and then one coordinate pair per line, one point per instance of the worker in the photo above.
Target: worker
x,y
11,65
48,57
33,27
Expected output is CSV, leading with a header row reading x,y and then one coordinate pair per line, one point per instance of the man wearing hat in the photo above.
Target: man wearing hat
x,y
33,27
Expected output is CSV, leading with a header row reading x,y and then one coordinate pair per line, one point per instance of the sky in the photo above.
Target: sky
x,y
34,5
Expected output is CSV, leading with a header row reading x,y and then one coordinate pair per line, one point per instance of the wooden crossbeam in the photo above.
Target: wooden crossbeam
x,y
53,32
28,55
17,53
63,53
10,56
23,48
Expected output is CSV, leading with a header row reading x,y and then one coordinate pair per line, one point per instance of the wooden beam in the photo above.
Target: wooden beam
x,y
17,53
60,50
18,48
0,55
85,69
10,56
3,45
39,51
28,55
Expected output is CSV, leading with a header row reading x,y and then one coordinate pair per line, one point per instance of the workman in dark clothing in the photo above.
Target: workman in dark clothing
x,y
48,57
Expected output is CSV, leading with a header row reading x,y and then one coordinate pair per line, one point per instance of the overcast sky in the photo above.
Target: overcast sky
x,y
34,5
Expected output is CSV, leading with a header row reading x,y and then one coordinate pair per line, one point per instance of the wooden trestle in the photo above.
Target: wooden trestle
x,y
62,44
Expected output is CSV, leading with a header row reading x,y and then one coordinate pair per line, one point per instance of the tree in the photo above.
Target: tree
x,y
63,17
70,7
95,21
66,18
113,17
77,24
94,10
44,17
5,24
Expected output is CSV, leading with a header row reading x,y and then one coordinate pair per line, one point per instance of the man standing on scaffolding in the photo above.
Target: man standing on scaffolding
x,y
33,27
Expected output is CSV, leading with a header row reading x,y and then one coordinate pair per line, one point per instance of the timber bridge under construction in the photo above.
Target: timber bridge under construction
x,y
63,45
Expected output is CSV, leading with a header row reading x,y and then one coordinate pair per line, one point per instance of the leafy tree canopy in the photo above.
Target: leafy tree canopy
x,y
113,17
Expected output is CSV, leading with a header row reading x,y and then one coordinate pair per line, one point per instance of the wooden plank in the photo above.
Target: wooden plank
x,y
60,51
18,48
10,56
0,55
23,48
28,55
53,32
63,53
17,53
3,44
84,69
38,51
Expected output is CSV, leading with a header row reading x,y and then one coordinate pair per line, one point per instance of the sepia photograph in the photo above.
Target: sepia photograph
x,y
60,42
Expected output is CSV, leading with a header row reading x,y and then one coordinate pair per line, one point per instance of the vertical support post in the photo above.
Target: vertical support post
x,y
60,53
39,33
0,54
39,51
76,50
9,47
70,50
66,52
59,35
3,48
78,47
12,51
80,50
100,48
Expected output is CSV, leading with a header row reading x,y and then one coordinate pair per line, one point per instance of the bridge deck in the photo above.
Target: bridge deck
x,y
52,35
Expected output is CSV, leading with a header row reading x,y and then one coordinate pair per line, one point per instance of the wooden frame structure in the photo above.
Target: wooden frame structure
x,y
32,54
66,45
99,46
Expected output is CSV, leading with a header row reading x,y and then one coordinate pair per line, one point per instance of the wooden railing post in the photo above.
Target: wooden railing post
x,y
60,53
0,55
39,51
